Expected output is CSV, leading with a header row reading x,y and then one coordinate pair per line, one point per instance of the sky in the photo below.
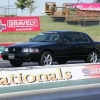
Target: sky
x,y
39,3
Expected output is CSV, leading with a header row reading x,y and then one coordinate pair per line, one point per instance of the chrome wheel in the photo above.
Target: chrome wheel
x,y
46,59
92,57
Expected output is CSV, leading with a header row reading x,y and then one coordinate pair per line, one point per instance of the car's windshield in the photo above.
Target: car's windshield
x,y
47,37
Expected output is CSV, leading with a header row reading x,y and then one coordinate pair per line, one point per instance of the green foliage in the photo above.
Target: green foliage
x,y
22,4
29,3
31,7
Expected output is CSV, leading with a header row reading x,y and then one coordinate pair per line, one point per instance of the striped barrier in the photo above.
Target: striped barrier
x,y
39,77
0,57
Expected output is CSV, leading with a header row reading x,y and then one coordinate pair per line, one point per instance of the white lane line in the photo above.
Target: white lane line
x,y
60,89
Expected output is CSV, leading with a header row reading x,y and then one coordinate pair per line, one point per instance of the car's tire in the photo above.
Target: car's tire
x,y
62,61
46,59
16,63
92,57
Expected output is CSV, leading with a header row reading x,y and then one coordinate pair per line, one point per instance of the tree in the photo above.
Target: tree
x,y
31,6
22,4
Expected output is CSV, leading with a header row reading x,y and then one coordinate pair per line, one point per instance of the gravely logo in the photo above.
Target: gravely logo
x,y
2,26
22,23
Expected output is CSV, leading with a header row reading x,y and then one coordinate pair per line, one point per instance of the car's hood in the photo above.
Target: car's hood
x,y
32,44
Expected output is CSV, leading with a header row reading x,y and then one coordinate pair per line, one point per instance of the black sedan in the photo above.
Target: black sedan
x,y
50,46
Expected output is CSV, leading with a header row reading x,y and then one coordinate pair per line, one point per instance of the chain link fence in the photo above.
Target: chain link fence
x,y
8,10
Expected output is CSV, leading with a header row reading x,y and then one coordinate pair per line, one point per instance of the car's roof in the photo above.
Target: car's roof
x,y
59,31
54,31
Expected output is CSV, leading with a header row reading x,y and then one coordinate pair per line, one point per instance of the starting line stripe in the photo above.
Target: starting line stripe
x,y
0,57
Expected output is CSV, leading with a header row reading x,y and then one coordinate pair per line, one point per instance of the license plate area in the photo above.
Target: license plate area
x,y
11,56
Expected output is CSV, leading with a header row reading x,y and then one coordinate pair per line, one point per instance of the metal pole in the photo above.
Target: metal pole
x,y
84,21
8,7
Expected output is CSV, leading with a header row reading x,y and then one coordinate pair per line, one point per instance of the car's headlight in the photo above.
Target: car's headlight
x,y
30,50
6,49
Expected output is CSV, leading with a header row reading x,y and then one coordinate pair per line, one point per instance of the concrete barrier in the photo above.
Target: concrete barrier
x,y
40,77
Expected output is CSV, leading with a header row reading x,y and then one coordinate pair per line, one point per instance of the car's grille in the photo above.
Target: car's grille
x,y
15,49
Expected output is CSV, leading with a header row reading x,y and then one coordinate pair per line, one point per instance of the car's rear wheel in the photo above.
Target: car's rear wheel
x,y
16,63
62,61
92,57
46,59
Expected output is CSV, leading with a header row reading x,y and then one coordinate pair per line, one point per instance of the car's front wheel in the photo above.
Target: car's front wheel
x,y
92,57
16,63
46,59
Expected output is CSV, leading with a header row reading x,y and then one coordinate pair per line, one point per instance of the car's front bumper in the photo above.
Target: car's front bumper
x,y
27,57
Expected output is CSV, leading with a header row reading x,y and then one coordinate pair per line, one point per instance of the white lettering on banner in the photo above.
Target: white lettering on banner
x,y
22,23
88,8
95,71
24,29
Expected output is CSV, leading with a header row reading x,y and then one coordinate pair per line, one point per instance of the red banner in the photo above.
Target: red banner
x,y
19,24
92,71
87,6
